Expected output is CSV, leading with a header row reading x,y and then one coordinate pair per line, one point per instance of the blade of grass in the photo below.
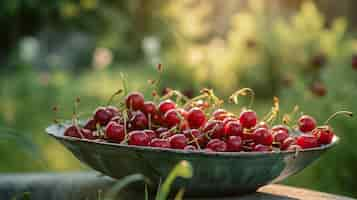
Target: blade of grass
x,y
182,169
111,194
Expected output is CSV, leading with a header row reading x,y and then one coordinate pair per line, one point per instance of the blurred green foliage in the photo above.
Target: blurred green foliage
x,y
275,55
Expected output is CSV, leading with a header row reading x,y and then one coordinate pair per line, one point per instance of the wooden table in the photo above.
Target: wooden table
x,y
85,185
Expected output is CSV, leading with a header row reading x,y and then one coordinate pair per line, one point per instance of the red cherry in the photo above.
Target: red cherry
x,y
219,114
88,134
194,134
280,136
113,111
149,108
248,119
306,141
196,118
138,138
73,131
229,119
134,101
263,136
172,118
139,121
287,143
166,106
152,134
277,128
178,141
115,132
318,60
234,143
190,148
91,125
262,148
214,129
217,145
102,116
161,130
262,125
306,123
162,143
318,88
233,128
354,61
324,135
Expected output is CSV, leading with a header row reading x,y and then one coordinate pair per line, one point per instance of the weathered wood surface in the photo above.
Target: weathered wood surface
x,y
85,185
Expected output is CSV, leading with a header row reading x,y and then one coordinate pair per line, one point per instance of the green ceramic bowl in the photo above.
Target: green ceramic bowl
x,y
215,174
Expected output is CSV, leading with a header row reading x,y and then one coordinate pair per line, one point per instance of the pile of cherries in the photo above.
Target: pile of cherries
x,y
195,128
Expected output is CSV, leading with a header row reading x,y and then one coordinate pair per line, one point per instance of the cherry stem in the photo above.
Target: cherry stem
x,y
156,83
243,92
205,93
271,115
114,95
75,108
346,113
178,94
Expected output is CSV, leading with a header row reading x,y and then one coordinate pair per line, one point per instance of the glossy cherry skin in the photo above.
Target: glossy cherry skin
x,y
91,125
178,141
166,106
73,131
190,148
233,128
306,141
152,134
229,119
219,114
280,128
88,134
114,111
262,125
196,118
172,118
134,101
139,121
115,132
138,138
102,116
287,143
262,148
161,130
195,135
324,135
306,123
149,108
248,119
214,129
263,136
217,145
162,143
280,136
234,143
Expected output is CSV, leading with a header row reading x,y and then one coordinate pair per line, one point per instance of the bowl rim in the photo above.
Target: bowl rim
x,y
51,130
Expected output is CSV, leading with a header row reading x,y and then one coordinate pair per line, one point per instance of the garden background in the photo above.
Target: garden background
x,y
53,51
